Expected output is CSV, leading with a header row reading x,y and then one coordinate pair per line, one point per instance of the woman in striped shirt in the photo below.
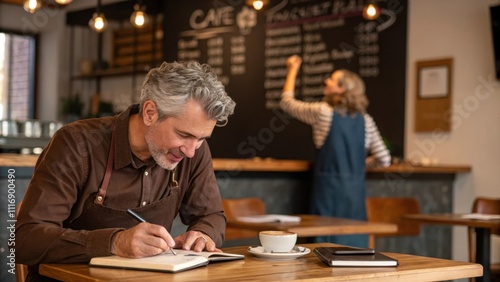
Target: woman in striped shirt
x,y
347,139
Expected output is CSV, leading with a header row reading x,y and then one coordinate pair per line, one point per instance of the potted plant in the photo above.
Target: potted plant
x,y
72,107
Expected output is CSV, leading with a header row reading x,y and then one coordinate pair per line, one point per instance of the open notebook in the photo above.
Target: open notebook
x,y
166,261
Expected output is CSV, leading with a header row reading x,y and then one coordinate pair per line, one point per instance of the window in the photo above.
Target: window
x,y
17,76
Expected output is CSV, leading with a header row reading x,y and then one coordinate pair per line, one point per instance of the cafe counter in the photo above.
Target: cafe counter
x,y
285,186
268,165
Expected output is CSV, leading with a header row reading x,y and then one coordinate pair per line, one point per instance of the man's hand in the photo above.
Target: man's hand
x,y
143,240
196,241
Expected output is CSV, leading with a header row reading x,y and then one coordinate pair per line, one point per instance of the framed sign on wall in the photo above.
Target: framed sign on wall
x,y
434,93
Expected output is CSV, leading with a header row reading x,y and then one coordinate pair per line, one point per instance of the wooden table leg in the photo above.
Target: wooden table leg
x,y
483,243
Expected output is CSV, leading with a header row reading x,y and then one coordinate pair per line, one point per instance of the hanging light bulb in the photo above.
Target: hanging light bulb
x,y
139,18
371,11
98,22
63,2
257,4
32,6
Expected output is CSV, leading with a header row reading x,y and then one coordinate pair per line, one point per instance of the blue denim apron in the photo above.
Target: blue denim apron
x,y
339,176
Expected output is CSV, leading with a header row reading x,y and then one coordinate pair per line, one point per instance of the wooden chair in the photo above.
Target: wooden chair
x,y
390,210
21,269
486,206
242,207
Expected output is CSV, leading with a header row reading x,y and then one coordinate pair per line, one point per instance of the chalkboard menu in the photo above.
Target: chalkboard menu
x,y
248,50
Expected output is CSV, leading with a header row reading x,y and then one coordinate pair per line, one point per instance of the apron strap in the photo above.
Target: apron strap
x,y
101,194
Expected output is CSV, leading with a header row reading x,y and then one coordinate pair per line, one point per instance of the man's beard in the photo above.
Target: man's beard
x,y
158,155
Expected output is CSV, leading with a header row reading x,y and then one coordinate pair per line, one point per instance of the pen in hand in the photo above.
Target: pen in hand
x,y
139,218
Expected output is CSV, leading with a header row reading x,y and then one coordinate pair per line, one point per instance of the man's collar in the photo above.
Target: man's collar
x,y
123,153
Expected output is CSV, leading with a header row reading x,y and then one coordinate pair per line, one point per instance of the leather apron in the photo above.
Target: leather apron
x,y
339,176
95,215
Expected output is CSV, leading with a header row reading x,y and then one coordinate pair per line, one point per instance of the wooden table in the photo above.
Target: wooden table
x,y
483,234
306,268
315,225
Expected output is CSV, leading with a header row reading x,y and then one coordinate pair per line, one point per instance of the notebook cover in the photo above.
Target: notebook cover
x,y
375,260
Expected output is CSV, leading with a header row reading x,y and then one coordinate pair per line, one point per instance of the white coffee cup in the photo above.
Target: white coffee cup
x,y
275,241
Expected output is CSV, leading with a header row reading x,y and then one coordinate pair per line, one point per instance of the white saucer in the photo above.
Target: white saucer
x,y
261,253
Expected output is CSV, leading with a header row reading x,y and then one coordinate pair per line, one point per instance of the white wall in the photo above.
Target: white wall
x,y
436,29
459,29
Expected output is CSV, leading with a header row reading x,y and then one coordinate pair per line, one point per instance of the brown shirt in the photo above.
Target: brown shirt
x,y
70,171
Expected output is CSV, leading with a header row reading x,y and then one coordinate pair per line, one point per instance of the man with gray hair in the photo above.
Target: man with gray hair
x,y
152,159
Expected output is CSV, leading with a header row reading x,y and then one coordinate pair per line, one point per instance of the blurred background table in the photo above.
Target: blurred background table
x,y
483,234
316,225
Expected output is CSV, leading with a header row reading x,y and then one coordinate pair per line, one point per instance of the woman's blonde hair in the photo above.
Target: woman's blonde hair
x,y
353,99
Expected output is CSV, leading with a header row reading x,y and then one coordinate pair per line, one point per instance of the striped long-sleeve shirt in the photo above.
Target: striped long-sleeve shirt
x,y
320,115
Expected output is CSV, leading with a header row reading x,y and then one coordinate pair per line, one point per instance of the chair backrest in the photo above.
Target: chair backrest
x,y
243,207
487,206
390,210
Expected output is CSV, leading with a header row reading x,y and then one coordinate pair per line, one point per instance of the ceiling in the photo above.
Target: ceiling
x,y
18,2
114,11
